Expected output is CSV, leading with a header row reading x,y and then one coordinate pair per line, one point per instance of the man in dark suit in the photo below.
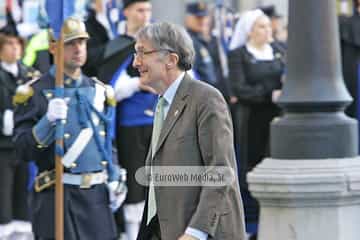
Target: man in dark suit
x,y
192,128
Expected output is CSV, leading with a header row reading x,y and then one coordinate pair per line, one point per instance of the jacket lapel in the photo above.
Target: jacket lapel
x,y
175,111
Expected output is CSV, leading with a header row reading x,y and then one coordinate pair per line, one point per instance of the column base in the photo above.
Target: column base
x,y
307,199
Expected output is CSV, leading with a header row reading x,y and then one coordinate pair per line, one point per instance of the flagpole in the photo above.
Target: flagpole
x,y
59,187
58,11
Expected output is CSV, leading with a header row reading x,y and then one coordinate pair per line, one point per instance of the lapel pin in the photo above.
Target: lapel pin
x,y
176,113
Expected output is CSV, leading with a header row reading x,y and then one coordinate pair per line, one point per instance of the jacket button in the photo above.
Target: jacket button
x,y
67,135
104,163
73,165
47,179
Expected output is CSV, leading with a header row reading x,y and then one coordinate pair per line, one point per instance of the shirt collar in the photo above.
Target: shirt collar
x,y
169,94
12,68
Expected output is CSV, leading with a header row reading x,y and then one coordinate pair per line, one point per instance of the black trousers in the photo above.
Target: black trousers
x,y
132,146
86,214
13,183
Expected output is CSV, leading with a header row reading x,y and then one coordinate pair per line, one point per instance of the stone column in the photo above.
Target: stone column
x,y
309,189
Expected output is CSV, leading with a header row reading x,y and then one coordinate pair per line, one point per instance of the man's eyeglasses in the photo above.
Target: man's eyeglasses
x,y
141,53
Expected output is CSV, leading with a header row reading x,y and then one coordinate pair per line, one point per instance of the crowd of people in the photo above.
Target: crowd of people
x,y
214,111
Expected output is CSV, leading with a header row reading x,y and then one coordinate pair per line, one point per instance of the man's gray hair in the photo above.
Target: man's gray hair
x,y
170,37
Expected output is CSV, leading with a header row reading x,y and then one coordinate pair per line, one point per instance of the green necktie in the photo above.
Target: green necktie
x,y
158,123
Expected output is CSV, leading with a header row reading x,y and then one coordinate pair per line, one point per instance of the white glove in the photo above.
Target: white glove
x,y
8,122
117,194
57,109
126,86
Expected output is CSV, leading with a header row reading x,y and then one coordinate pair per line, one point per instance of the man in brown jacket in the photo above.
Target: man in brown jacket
x,y
192,129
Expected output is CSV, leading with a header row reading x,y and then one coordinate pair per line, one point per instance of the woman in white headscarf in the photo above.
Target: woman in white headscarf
x,y
255,71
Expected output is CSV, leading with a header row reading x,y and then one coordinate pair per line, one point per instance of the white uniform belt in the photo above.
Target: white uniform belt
x,y
85,180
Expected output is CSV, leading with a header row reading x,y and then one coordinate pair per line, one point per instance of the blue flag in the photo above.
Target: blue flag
x,y
58,11
114,14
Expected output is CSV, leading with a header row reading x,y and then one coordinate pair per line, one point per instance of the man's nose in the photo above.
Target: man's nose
x,y
77,47
136,62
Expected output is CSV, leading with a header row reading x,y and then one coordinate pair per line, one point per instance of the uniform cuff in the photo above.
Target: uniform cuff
x,y
44,132
196,233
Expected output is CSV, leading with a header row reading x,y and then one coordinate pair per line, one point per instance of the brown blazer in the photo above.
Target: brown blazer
x,y
197,132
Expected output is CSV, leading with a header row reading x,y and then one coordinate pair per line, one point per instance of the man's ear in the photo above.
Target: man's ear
x,y
126,11
173,61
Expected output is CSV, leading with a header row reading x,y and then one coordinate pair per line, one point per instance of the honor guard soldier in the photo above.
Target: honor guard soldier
x,y
92,188
13,171
197,23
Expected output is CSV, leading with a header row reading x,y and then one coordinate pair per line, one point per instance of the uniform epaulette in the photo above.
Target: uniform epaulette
x,y
35,74
24,92
109,91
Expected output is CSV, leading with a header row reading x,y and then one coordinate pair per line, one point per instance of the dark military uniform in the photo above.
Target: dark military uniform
x,y
13,172
222,82
204,68
86,201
